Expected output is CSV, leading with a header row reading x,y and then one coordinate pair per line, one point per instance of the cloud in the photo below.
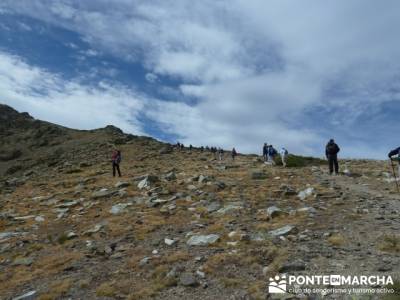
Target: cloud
x,y
246,72
48,96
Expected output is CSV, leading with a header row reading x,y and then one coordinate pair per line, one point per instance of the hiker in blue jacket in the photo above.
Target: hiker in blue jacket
x,y
265,152
331,151
271,154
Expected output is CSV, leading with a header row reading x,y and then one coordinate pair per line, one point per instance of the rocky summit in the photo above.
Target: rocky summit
x,y
180,224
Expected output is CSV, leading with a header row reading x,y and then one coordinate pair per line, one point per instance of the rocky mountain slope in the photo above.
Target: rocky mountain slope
x,y
179,224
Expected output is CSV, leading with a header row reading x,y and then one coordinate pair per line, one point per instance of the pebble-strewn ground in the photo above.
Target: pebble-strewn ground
x,y
182,225
196,228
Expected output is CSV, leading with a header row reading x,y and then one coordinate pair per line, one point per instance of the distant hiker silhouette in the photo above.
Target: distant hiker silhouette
x,y
265,152
233,153
221,153
284,153
116,160
331,151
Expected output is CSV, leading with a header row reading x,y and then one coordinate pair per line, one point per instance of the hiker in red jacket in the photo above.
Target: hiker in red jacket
x,y
116,160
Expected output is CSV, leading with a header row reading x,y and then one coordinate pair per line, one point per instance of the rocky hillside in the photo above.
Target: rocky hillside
x,y
179,224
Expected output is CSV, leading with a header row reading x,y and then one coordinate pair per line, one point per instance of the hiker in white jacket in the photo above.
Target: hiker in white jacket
x,y
283,154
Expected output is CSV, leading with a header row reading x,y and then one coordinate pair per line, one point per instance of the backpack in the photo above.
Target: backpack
x,y
118,159
331,149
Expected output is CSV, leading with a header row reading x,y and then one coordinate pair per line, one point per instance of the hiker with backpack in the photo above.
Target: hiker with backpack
x,y
265,152
395,155
116,160
331,151
284,153
233,153
221,153
271,154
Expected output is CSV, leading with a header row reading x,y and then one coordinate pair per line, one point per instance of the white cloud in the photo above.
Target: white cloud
x,y
253,67
151,77
48,96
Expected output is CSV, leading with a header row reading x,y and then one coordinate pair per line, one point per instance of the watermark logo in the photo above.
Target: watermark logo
x,y
277,284
330,284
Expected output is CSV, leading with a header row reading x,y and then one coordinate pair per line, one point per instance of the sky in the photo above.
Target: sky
x,y
228,73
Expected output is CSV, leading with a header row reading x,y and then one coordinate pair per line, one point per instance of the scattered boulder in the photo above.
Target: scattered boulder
x,y
230,208
103,193
305,193
203,240
187,279
274,212
285,230
121,184
147,181
31,295
258,175
170,176
213,206
119,208
166,150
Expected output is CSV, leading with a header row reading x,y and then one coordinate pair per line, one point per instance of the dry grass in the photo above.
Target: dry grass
x,y
390,243
57,290
230,282
336,240
106,289
256,290
178,256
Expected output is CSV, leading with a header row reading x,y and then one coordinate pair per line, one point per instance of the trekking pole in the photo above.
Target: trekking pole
x,y
394,175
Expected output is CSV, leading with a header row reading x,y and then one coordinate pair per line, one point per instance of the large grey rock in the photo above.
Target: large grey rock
x,y
121,184
305,193
147,181
202,240
170,176
6,235
274,212
166,149
68,204
258,175
285,230
230,208
213,206
119,208
31,295
310,210
24,261
187,279
103,193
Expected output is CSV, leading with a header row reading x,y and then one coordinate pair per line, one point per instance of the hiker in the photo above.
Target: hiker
x,y
190,147
265,152
116,160
271,154
394,153
233,153
284,153
331,151
202,149
182,146
220,153
214,152
178,145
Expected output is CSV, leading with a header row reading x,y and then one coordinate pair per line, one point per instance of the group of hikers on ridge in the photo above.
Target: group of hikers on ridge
x,y
269,155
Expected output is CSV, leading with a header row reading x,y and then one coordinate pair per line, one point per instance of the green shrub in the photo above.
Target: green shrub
x,y
296,161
